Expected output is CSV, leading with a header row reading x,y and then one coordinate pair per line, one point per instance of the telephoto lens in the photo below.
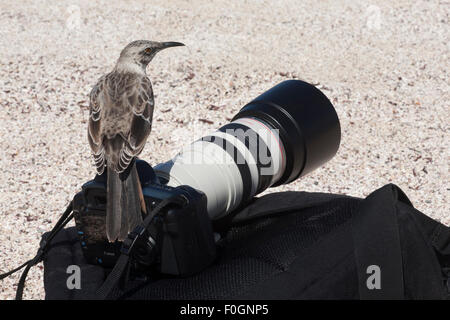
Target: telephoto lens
x,y
283,134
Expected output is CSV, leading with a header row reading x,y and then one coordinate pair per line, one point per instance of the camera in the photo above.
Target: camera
x,y
180,241
283,134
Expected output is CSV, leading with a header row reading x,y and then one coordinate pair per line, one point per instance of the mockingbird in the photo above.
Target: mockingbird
x,y
120,120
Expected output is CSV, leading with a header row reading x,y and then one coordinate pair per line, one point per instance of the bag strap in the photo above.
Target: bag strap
x,y
377,246
275,204
441,243
44,245
122,265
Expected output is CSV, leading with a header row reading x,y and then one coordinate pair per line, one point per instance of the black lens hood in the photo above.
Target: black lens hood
x,y
307,122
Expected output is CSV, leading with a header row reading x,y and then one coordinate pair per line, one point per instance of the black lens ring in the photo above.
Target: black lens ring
x,y
243,168
263,180
290,135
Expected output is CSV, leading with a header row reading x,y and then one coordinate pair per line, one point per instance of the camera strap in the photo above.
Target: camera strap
x,y
44,245
122,265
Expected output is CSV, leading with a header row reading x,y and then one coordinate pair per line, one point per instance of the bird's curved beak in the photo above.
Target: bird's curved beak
x,y
165,45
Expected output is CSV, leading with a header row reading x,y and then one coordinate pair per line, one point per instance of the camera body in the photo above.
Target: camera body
x,y
179,241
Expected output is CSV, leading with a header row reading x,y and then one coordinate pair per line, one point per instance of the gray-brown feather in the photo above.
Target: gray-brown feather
x,y
120,120
121,111
120,104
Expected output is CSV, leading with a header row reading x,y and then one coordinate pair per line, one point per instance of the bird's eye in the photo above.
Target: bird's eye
x,y
148,50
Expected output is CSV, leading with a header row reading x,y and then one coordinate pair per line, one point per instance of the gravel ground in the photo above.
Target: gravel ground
x,y
384,66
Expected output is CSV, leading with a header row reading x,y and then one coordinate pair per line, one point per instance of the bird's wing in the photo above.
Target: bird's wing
x,y
94,125
141,102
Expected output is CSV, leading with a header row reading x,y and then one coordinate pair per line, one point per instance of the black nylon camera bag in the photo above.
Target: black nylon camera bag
x,y
294,245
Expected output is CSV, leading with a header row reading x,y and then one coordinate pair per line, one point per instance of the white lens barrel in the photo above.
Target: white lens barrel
x,y
206,167
230,166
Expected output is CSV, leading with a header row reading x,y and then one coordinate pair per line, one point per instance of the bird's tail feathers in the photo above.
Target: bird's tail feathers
x,y
123,211
133,192
113,207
